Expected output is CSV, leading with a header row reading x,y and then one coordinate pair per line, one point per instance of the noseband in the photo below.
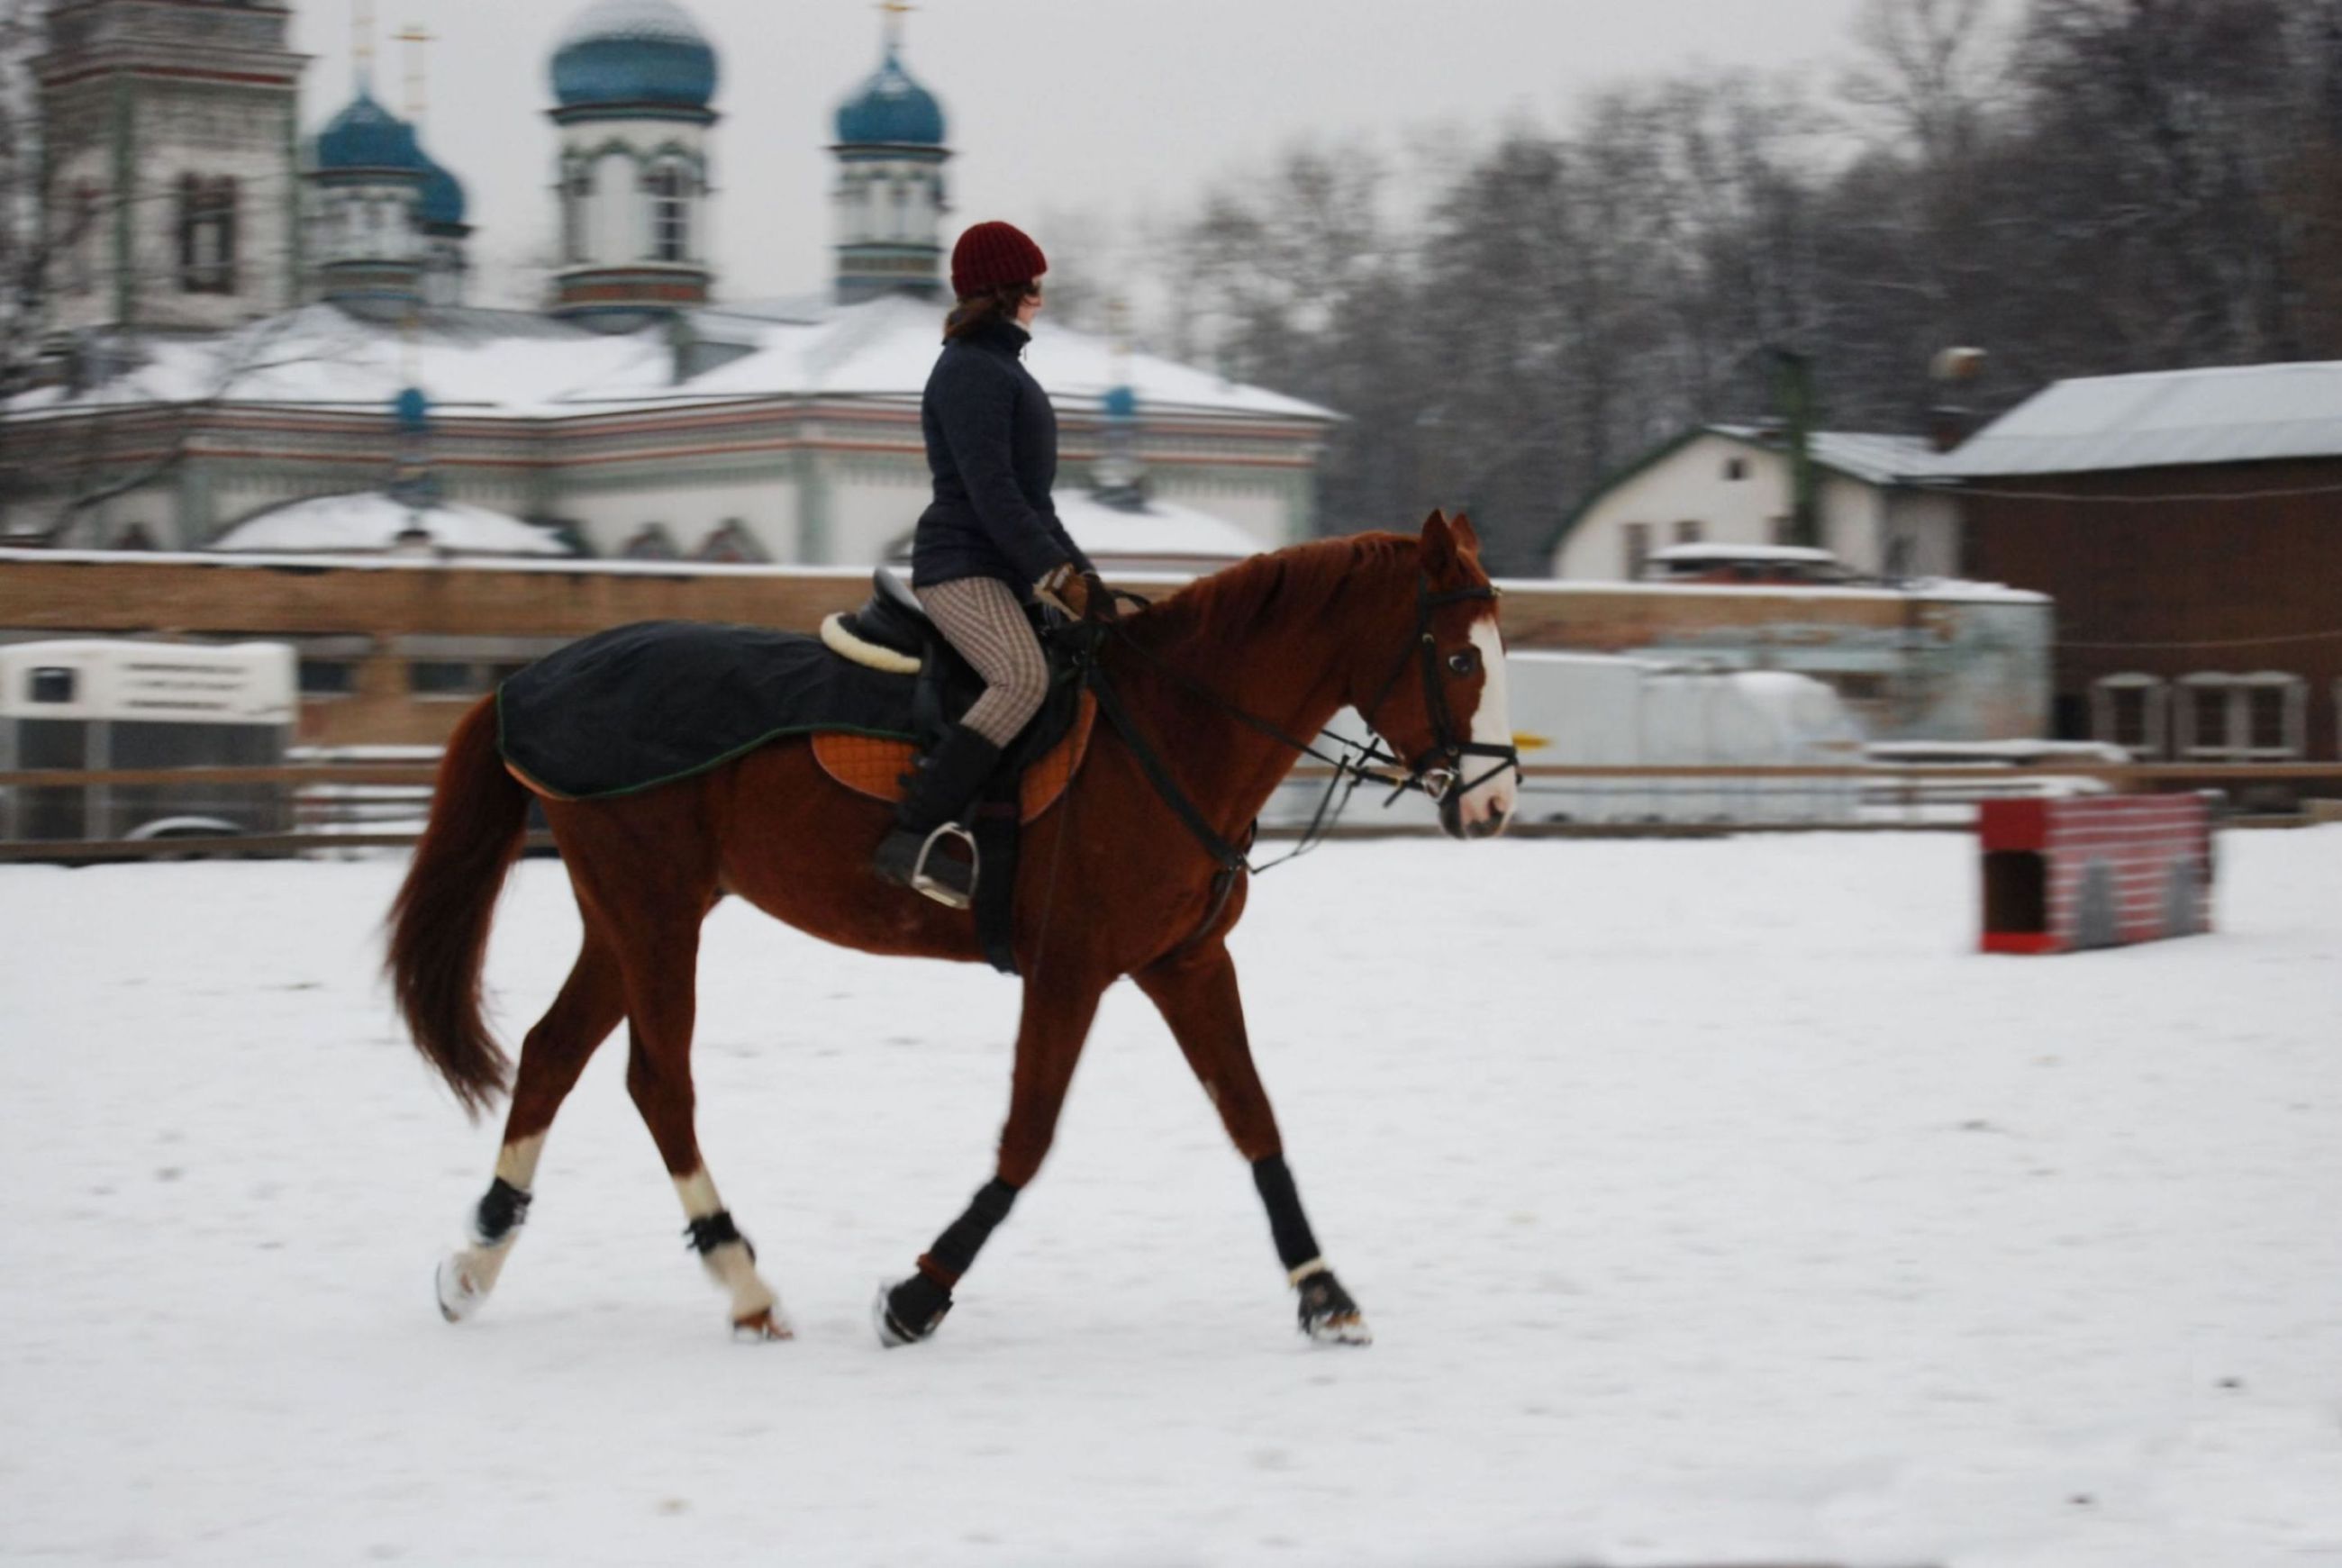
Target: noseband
x,y
1438,772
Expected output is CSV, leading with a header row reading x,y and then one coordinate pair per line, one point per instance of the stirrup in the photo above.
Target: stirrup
x,y
948,896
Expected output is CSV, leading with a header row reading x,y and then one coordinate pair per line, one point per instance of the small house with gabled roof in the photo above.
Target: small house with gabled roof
x,y
1883,508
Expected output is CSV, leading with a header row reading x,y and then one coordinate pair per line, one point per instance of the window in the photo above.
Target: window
x,y
731,543
328,678
206,231
2260,718
1690,532
80,239
457,678
1736,468
652,542
669,186
577,194
50,684
1637,539
2129,710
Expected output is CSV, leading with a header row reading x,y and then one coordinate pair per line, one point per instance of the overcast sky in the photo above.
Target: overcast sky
x,y
1113,107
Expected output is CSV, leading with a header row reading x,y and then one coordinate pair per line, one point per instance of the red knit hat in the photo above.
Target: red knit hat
x,y
994,256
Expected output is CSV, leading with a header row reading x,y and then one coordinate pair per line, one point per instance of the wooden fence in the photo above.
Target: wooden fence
x,y
381,804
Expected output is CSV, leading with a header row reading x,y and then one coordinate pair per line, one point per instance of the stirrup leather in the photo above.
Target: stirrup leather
x,y
949,897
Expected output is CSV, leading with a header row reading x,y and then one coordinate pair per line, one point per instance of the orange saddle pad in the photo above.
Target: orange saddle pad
x,y
874,767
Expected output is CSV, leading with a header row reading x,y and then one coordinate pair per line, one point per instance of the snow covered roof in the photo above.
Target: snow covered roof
x,y
1160,531
489,363
2236,413
369,520
888,345
1874,459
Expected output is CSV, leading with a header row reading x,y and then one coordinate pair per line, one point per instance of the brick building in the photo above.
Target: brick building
x,y
2189,523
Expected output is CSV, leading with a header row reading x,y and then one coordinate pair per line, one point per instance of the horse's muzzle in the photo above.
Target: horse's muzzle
x,y
1453,823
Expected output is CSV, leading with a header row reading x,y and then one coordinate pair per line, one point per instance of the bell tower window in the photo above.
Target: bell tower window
x,y
578,192
669,187
206,219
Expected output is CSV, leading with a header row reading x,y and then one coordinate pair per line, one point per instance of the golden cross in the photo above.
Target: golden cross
x,y
362,40
414,37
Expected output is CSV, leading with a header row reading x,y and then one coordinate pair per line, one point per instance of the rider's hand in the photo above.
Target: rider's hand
x,y
1080,594
1097,600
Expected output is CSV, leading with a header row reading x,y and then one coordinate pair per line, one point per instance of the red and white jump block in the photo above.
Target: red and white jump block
x,y
2102,870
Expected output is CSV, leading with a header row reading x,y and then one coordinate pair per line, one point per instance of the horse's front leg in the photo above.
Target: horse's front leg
x,y
1196,991
1049,1037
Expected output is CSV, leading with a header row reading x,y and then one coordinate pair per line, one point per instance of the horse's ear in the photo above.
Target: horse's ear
x,y
1466,536
1437,546
1437,516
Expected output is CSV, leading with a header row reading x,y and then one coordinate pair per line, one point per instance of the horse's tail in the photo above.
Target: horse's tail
x,y
439,924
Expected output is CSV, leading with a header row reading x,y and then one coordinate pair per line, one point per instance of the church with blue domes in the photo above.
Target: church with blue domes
x,y
286,318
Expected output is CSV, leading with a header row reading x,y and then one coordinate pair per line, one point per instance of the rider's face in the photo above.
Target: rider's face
x,y
1030,306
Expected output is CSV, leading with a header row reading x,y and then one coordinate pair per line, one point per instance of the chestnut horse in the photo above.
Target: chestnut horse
x,y
1403,629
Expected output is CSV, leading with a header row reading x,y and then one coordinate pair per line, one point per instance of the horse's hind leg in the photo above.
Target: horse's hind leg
x,y
1195,992
591,1002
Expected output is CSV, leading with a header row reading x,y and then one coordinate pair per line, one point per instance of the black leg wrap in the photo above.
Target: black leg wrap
x,y
500,1213
1324,1301
715,1231
955,1251
1296,1245
915,1307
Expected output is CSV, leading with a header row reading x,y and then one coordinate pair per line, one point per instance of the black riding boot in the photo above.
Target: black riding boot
x,y
945,780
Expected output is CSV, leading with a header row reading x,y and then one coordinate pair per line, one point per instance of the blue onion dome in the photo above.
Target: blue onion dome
x,y
442,195
1121,402
890,107
366,136
634,52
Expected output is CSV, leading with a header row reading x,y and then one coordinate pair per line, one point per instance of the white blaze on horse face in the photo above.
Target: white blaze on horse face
x,y
1492,726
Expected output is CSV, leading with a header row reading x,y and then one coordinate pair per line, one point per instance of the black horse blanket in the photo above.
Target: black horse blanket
x,y
645,705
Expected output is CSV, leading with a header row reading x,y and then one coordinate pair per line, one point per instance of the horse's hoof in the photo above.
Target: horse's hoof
x,y
459,1295
908,1312
768,1323
1347,1328
1328,1315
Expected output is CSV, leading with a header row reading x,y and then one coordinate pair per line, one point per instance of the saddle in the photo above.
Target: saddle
x,y
645,704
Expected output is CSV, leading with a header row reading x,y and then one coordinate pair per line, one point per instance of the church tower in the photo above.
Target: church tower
x,y
172,128
890,197
370,176
632,81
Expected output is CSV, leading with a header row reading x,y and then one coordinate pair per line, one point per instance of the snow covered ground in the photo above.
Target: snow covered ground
x,y
1711,1201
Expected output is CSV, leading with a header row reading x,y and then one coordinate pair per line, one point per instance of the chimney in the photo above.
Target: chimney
x,y
1948,422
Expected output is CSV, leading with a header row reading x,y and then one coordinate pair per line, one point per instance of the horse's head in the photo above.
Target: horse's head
x,y
1438,700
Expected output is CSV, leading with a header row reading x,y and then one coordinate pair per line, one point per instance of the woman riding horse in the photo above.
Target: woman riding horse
x,y
989,541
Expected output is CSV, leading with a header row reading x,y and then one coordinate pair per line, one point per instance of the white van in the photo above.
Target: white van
x,y
108,703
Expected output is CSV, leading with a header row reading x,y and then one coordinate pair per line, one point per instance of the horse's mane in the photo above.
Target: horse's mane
x,y
1299,580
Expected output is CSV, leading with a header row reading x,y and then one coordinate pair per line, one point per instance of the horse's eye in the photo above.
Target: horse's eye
x,y
1465,661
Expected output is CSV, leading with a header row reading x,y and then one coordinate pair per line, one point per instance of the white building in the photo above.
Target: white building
x,y
639,412
1881,508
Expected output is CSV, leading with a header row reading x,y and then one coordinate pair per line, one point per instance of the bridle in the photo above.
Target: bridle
x,y
1436,772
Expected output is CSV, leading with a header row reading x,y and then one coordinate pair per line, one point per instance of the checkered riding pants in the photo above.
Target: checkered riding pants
x,y
983,618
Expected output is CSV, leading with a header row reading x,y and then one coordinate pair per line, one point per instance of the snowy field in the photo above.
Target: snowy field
x,y
1711,1201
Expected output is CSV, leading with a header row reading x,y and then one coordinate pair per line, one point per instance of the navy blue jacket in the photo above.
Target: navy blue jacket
x,y
992,446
